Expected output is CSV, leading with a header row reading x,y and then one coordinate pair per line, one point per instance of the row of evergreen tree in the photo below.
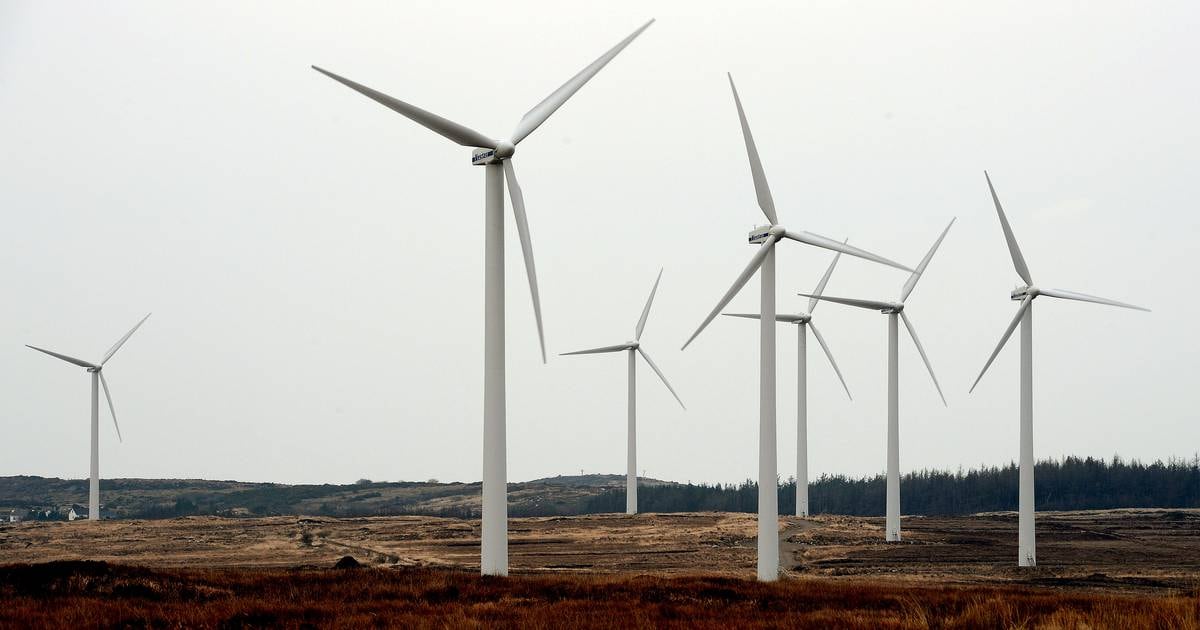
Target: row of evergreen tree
x,y
1073,483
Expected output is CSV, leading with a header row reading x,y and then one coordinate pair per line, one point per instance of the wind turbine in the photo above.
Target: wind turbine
x,y
496,157
803,322
630,348
1026,546
895,310
96,370
767,236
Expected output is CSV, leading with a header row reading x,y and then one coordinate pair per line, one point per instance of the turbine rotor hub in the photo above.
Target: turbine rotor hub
x,y
1021,293
505,149
894,308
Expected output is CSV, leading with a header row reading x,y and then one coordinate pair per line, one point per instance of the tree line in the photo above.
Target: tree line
x,y
1073,483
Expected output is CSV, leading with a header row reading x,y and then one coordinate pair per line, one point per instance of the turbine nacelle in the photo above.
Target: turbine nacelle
x,y
892,308
484,156
760,234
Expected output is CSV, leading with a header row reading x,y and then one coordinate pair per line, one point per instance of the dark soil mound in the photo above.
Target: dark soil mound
x,y
347,562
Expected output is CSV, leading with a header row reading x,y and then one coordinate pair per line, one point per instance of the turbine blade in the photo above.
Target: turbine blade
x,y
813,301
912,332
661,376
111,409
619,348
518,204
871,305
641,325
761,189
1013,249
784,319
79,362
446,128
916,275
755,262
808,238
825,347
1003,340
1083,297
120,342
538,115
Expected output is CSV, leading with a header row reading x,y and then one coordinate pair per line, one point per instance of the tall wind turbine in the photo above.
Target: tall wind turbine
x,y
895,310
96,370
1026,546
496,157
803,322
767,236
630,348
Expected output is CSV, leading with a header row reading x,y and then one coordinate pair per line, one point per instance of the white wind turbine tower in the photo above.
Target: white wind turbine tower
x,y
496,157
630,348
1026,546
96,370
767,236
894,311
803,322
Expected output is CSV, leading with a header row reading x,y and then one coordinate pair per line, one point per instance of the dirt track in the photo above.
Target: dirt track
x,y
1127,550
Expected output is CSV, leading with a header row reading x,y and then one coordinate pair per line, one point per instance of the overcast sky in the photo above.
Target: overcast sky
x,y
314,260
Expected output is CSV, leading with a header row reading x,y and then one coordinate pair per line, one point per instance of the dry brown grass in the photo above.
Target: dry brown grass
x,y
97,594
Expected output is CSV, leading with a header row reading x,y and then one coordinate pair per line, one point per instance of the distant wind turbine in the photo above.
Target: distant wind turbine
x,y
630,348
496,157
98,380
803,322
892,310
1026,545
767,236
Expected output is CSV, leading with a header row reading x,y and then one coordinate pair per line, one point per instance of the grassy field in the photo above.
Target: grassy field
x,y
98,594
1138,551
1097,569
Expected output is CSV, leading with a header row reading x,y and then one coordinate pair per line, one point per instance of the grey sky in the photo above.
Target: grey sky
x,y
314,261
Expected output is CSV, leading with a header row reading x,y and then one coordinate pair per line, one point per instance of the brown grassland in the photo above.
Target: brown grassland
x,y
1097,569
96,594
